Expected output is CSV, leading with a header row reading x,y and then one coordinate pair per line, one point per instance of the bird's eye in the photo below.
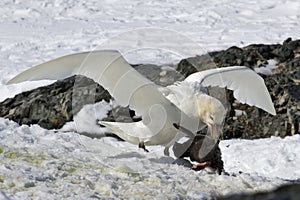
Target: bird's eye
x,y
211,117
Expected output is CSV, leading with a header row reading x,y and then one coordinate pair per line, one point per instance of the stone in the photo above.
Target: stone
x,y
29,184
288,192
283,85
54,105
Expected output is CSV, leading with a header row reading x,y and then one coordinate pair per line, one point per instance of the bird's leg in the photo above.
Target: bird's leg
x,y
142,146
176,125
166,151
202,164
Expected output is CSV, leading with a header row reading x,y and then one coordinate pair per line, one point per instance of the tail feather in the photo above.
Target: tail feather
x,y
125,131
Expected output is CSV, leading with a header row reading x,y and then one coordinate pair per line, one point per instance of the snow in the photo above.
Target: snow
x,y
85,120
69,165
38,163
267,69
273,157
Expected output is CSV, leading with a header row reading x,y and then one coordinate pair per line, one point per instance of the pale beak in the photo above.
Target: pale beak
x,y
215,131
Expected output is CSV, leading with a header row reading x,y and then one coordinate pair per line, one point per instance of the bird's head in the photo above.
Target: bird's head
x,y
212,112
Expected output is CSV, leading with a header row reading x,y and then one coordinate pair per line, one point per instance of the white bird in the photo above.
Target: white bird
x,y
167,112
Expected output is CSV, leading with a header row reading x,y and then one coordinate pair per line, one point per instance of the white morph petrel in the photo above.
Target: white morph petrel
x,y
168,113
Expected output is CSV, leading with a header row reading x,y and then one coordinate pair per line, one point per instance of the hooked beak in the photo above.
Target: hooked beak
x,y
215,131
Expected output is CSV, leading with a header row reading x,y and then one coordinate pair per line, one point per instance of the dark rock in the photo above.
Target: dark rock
x,y
121,114
154,73
266,51
250,56
29,184
256,123
44,178
283,86
186,67
191,65
293,64
288,50
286,192
53,105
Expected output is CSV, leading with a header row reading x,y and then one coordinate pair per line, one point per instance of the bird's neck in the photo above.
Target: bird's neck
x,y
206,104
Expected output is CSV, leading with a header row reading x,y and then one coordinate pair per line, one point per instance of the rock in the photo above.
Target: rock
x,y
283,86
265,51
250,56
54,105
256,123
288,50
29,184
293,63
193,64
287,192
154,73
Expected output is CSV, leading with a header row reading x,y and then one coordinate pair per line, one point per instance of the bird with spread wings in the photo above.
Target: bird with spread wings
x,y
168,113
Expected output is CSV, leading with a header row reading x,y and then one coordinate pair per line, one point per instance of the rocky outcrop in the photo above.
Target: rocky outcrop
x,y
255,123
283,86
255,55
54,105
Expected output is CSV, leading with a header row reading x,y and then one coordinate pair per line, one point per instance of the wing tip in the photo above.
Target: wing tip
x,y
269,109
9,82
273,112
14,80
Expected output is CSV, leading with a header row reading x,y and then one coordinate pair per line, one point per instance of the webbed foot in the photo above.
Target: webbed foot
x,y
202,165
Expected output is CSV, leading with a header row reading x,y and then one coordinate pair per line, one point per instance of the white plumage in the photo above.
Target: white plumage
x,y
167,113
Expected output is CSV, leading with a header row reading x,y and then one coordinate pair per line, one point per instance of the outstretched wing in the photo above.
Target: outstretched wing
x,y
248,87
112,71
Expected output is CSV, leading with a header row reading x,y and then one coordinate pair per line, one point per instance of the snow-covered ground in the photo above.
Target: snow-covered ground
x,y
38,163
42,164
